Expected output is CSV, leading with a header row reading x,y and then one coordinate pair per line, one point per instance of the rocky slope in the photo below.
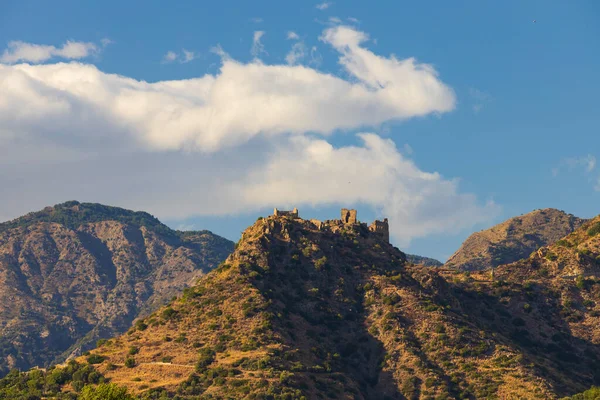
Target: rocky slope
x,y
513,239
426,261
304,313
74,273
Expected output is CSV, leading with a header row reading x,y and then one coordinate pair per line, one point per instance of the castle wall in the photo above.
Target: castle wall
x,y
349,216
293,213
382,228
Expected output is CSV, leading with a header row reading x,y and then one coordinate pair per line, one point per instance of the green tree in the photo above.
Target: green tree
x,y
105,391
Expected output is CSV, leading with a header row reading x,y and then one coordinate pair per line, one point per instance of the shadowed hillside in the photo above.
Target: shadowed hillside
x,y
302,312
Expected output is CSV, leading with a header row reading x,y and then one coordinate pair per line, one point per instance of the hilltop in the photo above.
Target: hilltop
x,y
304,309
77,272
513,239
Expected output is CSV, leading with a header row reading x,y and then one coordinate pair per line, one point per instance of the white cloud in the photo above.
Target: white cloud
x,y
170,56
184,57
18,51
296,54
297,171
256,20
227,143
214,111
324,6
188,56
257,46
291,35
315,57
335,20
312,172
106,41
353,20
587,162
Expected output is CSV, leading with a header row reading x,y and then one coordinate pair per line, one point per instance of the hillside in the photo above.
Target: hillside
x,y
300,312
426,261
513,239
76,272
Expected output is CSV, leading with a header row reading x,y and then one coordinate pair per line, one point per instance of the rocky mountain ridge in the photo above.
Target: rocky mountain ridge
x,y
513,239
76,272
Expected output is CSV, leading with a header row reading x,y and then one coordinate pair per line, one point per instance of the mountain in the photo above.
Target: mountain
x,y
77,272
310,310
426,261
513,239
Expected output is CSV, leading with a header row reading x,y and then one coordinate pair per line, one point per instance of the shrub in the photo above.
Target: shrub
x,y
207,356
141,325
181,338
320,263
594,230
95,359
133,350
168,313
101,342
130,362
105,391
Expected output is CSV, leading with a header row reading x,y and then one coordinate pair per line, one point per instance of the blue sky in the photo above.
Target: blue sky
x,y
523,130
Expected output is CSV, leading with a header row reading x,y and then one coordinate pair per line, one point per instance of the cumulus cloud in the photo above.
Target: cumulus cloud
x,y
241,102
18,51
257,47
236,141
324,5
311,171
296,171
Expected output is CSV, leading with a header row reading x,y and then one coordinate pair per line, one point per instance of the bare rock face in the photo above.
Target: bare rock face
x,y
75,273
514,239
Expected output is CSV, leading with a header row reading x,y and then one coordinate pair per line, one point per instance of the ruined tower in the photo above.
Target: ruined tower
x,y
382,228
349,216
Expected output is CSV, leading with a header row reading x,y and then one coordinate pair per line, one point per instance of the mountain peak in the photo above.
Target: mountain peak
x,y
76,272
73,213
513,239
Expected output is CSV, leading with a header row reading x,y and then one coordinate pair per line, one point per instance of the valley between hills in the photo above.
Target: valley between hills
x,y
112,304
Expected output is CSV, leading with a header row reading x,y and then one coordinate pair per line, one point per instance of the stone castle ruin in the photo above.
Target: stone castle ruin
x,y
293,213
348,217
382,228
